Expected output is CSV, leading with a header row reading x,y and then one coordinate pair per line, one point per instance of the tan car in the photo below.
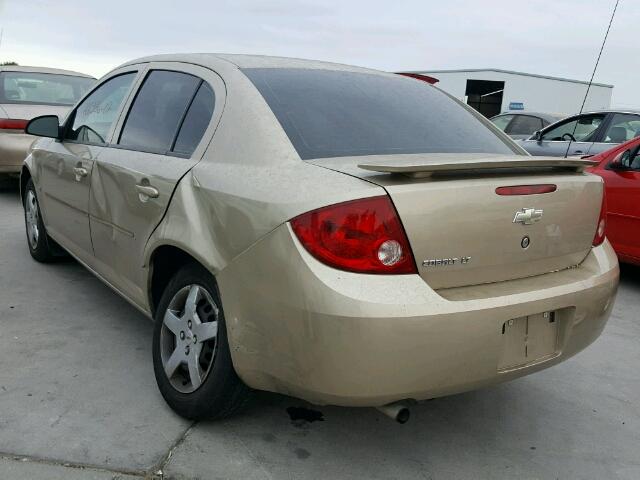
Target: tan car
x,y
28,92
339,234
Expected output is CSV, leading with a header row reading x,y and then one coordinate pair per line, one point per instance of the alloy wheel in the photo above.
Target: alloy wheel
x,y
32,216
188,338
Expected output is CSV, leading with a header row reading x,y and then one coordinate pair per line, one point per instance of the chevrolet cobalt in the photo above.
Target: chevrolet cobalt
x,y
342,235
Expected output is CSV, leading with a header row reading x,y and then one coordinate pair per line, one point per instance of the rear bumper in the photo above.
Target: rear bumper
x,y
300,328
13,151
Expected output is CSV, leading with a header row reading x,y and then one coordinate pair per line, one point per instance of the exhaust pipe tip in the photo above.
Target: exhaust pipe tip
x,y
403,415
398,411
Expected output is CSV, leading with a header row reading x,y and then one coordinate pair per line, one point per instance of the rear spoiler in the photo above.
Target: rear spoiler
x,y
423,166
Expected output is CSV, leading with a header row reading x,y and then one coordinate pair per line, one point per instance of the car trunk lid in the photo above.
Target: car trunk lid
x,y
464,233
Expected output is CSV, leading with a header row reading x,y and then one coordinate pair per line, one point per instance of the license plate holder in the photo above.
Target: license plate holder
x,y
529,339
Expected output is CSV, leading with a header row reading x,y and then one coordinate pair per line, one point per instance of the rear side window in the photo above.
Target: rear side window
x,y
525,125
331,113
158,111
501,121
196,121
622,127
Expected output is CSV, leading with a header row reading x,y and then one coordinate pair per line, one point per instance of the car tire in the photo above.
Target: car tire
x,y
41,246
179,356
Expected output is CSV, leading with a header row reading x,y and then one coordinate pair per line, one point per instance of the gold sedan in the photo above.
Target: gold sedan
x,y
339,234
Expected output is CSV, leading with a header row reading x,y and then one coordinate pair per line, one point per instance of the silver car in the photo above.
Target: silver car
x,y
584,134
28,92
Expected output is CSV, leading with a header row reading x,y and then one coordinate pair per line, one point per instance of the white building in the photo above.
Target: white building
x,y
492,91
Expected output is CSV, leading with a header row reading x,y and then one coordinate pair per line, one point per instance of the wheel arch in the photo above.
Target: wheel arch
x,y
164,262
25,175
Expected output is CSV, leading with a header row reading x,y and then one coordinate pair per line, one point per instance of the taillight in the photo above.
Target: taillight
x,y
13,124
601,229
363,236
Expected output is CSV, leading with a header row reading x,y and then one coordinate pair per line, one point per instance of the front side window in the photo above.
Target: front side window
x,y
582,129
93,119
629,158
332,113
502,121
158,110
42,88
623,127
635,159
525,125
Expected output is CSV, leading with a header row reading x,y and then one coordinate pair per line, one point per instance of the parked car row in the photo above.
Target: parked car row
x,y
585,134
298,227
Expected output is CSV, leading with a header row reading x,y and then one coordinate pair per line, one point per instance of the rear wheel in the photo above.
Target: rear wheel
x,y
40,245
191,357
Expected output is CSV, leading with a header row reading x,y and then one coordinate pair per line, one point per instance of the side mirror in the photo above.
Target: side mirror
x,y
537,136
44,126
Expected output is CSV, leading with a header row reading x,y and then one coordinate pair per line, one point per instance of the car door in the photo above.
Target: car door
x,y
65,167
619,128
168,125
573,136
623,202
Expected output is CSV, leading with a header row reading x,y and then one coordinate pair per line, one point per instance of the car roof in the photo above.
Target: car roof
x,y
213,60
55,71
624,111
611,110
552,117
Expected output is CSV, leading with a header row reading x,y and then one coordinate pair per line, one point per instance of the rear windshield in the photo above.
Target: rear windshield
x,y
42,88
330,113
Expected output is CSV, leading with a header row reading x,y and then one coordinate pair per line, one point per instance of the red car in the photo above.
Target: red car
x,y
620,168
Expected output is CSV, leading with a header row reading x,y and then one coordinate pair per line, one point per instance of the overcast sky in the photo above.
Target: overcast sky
x,y
559,37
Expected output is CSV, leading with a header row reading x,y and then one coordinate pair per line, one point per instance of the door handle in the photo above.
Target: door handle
x,y
147,191
80,172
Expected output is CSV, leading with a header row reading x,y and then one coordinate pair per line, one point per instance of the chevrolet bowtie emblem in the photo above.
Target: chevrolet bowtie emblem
x,y
527,216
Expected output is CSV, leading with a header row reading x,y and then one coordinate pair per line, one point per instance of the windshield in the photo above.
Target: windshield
x,y
42,88
331,113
